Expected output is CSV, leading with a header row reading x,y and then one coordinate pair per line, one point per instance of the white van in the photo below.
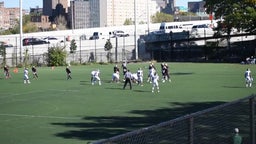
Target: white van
x,y
202,30
167,27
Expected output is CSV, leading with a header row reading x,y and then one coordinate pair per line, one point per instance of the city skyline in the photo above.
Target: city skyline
x,y
27,4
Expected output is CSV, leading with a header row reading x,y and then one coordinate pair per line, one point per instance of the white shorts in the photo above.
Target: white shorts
x,y
25,77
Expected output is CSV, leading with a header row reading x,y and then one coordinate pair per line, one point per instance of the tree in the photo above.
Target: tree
x,y
28,27
57,56
3,53
61,22
161,17
108,46
128,22
222,9
239,14
26,57
73,46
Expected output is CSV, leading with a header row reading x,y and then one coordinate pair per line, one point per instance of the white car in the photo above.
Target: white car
x,y
119,33
52,40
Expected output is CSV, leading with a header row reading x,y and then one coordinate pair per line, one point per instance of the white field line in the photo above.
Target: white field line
x,y
41,116
17,94
61,90
30,92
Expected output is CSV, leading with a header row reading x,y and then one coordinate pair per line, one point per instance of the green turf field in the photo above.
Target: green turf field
x,y
54,110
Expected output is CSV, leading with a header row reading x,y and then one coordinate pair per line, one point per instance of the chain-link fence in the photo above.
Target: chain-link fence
x,y
86,50
80,57
211,126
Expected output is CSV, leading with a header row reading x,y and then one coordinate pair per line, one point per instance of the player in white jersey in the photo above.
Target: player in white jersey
x,y
155,84
116,77
134,78
150,74
151,70
140,76
92,75
248,78
95,76
26,78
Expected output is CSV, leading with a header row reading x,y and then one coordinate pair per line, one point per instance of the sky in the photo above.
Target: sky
x,y
27,4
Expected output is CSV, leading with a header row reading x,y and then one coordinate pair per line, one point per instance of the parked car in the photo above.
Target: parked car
x,y
33,41
119,33
95,35
5,44
201,30
52,40
83,37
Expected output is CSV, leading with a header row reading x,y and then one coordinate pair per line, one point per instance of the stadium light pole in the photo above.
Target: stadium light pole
x,y
72,16
148,15
21,31
135,31
95,50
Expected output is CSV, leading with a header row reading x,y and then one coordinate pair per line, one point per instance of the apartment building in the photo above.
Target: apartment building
x,y
196,7
40,20
89,13
8,16
50,5
79,14
115,12
105,13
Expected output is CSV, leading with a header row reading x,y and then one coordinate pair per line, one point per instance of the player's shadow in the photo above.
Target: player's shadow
x,y
182,73
141,90
233,87
85,83
115,88
16,82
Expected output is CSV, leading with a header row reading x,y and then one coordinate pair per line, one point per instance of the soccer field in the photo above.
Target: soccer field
x,y
54,110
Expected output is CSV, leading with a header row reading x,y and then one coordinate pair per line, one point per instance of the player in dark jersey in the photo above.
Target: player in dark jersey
x,y
68,71
34,71
6,72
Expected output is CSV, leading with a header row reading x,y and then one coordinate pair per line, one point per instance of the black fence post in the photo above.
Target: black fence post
x,y
116,49
171,34
191,130
252,120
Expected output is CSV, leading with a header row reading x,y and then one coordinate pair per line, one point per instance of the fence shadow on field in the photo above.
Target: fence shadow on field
x,y
103,127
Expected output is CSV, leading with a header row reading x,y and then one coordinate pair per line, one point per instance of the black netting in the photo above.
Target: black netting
x,y
216,126
212,126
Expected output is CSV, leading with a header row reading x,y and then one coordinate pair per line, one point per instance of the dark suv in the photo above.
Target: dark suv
x,y
95,36
33,41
